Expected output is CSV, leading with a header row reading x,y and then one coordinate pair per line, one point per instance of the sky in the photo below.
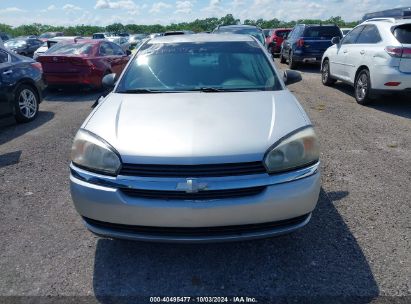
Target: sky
x,y
104,12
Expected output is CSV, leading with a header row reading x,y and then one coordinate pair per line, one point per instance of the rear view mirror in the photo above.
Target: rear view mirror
x,y
109,81
290,77
336,40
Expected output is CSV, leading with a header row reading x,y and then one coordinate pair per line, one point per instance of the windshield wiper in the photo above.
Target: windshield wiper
x,y
140,91
212,89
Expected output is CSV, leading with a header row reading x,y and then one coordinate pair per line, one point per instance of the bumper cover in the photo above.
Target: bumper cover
x,y
196,235
286,196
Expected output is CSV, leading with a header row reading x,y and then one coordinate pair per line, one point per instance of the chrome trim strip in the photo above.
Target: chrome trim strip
x,y
212,183
105,232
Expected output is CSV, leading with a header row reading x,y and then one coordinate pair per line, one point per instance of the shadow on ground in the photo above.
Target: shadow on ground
x,y
10,130
395,104
323,259
71,94
9,159
309,68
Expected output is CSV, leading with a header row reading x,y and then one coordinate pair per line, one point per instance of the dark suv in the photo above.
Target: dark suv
x,y
21,86
307,43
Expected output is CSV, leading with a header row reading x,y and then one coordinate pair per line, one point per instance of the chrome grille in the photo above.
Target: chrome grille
x,y
207,170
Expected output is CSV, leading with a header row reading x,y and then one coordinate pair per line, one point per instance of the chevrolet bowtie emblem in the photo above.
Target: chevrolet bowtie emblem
x,y
191,186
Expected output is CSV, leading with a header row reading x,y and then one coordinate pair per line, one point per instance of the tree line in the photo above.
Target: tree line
x,y
198,25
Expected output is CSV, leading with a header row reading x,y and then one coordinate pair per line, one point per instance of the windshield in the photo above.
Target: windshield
x,y
322,32
282,33
15,43
198,66
71,49
47,35
99,36
244,31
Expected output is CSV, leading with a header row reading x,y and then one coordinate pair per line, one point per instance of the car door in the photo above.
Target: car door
x,y
364,50
345,58
6,78
338,58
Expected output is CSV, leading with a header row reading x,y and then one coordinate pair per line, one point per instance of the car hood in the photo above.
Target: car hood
x,y
195,128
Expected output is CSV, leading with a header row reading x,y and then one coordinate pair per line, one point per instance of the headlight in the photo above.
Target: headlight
x,y
93,153
298,150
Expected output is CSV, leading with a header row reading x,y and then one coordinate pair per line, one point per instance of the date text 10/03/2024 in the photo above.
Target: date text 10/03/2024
x,y
203,300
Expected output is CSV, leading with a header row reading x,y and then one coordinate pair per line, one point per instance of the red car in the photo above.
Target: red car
x,y
275,39
83,62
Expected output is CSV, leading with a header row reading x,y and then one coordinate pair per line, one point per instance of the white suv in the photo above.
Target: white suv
x,y
375,57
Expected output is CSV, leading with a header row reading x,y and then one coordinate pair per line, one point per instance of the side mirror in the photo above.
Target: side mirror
x,y
336,40
128,52
290,77
109,81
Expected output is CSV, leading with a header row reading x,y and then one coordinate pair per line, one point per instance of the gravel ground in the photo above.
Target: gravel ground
x,y
356,247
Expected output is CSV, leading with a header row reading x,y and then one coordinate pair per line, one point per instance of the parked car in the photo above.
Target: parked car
x,y
1,43
275,39
101,35
306,43
398,12
199,140
83,62
345,30
23,46
21,86
46,36
242,29
46,45
170,33
135,39
121,41
4,37
375,57
154,35
127,35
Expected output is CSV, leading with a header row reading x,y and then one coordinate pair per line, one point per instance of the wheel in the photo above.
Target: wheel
x,y
325,74
26,103
270,50
282,59
362,87
291,62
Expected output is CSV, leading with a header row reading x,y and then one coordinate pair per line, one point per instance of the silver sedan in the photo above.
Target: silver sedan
x,y
198,141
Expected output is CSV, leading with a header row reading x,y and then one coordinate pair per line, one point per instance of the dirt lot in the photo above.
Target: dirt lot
x,y
356,245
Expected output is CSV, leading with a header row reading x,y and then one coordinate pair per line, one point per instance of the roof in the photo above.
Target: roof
x,y
388,20
201,38
308,25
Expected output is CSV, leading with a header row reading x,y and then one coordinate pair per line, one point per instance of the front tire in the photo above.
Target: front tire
x,y
291,62
362,87
26,104
282,58
325,74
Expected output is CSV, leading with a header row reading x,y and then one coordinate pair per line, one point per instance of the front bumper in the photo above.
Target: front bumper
x,y
108,211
